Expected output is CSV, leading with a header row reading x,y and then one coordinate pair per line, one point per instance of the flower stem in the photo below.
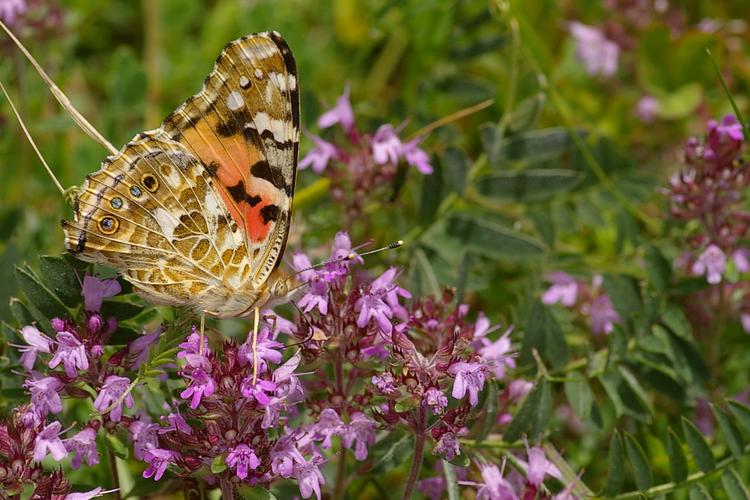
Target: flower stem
x,y
227,488
338,491
115,476
418,458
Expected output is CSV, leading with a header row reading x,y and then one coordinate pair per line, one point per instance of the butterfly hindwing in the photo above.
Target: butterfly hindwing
x,y
244,126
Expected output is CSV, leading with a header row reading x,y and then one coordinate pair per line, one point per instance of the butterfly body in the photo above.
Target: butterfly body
x,y
197,212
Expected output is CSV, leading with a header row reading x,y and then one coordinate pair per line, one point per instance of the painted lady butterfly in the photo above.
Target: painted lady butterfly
x,y
197,212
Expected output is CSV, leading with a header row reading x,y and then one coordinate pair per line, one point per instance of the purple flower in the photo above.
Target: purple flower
x,y
175,422
329,424
341,258
309,479
285,457
144,437
539,467
447,446
48,442
71,353
432,487
386,146
140,347
37,342
319,156
10,10
87,495
712,263
265,349
745,319
110,395
96,290
494,486
258,390
241,458
469,378
598,55
44,396
301,263
564,290
647,109
741,260
316,297
201,385
385,383
158,459
603,315
436,400
724,139
416,156
191,351
372,305
360,432
495,355
342,113
84,446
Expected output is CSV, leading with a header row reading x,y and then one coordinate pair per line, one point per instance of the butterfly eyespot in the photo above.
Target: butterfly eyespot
x,y
135,191
150,182
116,203
108,225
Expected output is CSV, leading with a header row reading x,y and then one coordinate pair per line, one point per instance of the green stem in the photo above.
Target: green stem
x,y
115,476
418,458
152,43
338,491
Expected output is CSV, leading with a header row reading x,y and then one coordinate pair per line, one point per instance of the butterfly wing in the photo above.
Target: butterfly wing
x,y
197,212
244,126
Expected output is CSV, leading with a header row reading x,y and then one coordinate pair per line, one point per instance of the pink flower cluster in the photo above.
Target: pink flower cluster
x,y
590,301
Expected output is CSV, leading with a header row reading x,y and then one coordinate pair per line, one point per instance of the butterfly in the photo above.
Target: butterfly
x,y
197,212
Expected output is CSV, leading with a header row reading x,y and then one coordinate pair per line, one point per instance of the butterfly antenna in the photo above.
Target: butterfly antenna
x,y
31,140
60,96
352,256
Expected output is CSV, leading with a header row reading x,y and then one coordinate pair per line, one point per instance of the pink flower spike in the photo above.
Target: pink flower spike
x,y
745,318
113,389
84,446
44,395
96,290
48,442
416,157
341,113
158,459
11,10
712,262
37,342
71,353
201,385
469,378
241,458
598,54
564,290
319,157
309,478
386,146
96,492
539,467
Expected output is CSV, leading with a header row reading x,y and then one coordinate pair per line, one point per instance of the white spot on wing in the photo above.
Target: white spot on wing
x,y
244,81
281,132
235,101
258,73
166,221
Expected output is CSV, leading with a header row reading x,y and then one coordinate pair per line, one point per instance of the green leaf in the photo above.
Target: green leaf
x,y
533,415
118,447
460,460
616,466
639,463
255,493
492,240
456,165
219,464
38,295
533,146
636,387
543,334
61,278
490,412
20,312
624,293
677,462
579,394
730,431
698,492
733,485
531,185
702,454
389,453
451,484
741,413
674,319
525,114
432,194
658,269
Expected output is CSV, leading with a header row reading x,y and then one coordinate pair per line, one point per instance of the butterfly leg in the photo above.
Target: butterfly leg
x,y
203,329
256,324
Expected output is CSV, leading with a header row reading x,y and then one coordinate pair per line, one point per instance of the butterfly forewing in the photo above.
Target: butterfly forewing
x,y
244,126
197,212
